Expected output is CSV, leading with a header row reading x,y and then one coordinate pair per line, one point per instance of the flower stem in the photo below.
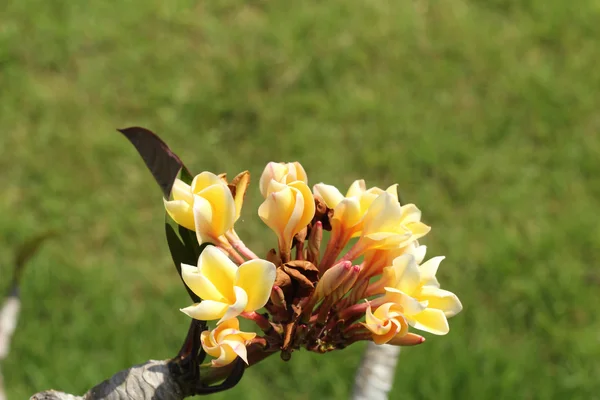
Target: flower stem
x,y
260,320
357,310
240,246
230,251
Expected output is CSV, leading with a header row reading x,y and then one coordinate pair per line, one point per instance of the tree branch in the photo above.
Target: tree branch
x,y
155,380
375,376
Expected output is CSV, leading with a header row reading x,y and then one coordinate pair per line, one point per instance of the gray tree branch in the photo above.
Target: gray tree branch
x,y
9,315
151,380
375,376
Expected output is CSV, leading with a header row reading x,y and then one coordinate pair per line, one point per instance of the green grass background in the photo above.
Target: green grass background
x,y
484,111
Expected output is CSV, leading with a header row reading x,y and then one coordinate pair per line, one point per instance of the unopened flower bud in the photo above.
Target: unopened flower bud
x,y
282,173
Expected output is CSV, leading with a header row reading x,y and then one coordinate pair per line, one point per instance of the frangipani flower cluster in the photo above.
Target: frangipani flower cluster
x,y
314,296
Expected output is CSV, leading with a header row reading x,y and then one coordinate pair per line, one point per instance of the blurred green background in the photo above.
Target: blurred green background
x,y
484,111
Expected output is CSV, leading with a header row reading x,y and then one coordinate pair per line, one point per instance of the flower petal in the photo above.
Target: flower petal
x,y
238,347
357,188
200,284
295,216
182,191
273,171
410,305
441,299
432,321
330,194
410,214
384,215
256,278
209,345
428,271
348,213
407,274
275,211
232,324
207,310
296,172
203,215
308,207
393,190
219,270
223,208
181,212
204,180
418,229
418,251
235,309
226,356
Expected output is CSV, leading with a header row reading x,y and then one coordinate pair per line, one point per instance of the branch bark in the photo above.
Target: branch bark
x,y
9,315
155,380
375,376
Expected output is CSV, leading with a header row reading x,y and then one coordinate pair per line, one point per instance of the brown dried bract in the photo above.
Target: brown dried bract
x,y
273,257
239,184
304,272
323,213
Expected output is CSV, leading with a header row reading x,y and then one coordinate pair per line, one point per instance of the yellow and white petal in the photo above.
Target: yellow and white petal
x,y
375,325
393,190
357,189
203,216
410,305
256,278
223,208
431,320
273,171
418,229
418,251
384,215
330,194
275,211
410,214
208,343
308,207
429,270
406,274
226,327
238,346
441,299
386,337
181,212
200,284
296,172
218,269
207,310
226,356
204,180
348,213
294,218
182,191
237,307
386,240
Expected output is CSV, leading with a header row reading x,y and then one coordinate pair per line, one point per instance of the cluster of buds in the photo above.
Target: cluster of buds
x,y
369,283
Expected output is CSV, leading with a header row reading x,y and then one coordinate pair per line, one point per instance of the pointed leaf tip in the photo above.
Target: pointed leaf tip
x,y
160,160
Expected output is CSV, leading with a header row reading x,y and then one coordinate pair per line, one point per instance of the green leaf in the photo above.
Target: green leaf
x,y
184,248
26,251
